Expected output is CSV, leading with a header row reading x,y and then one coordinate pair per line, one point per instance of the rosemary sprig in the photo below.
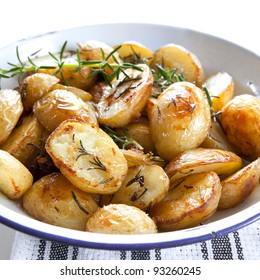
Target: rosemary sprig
x,y
124,140
82,151
137,179
98,164
208,96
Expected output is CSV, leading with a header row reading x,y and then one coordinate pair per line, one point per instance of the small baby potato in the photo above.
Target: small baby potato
x,y
120,219
54,200
217,139
35,86
240,119
23,137
11,108
237,187
59,105
15,178
137,157
190,201
179,120
84,95
87,156
124,102
134,52
143,187
224,163
173,56
221,89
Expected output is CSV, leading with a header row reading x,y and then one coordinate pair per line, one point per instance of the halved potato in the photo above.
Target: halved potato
x,y
143,187
23,137
134,52
11,108
54,200
59,105
237,187
87,156
221,89
173,56
179,120
120,219
15,178
240,119
124,101
190,202
224,163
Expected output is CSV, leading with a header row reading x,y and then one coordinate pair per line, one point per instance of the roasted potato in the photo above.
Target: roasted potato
x,y
21,141
190,201
59,105
124,101
120,219
224,163
237,187
134,52
11,108
87,156
221,89
143,187
240,119
173,56
179,120
54,200
35,86
15,178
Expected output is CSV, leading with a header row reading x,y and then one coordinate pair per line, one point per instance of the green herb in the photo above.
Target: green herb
x,y
78,203
98,164
82,151
208,96
137,179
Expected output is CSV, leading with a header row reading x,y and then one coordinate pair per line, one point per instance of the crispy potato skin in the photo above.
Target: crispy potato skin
x,y
15,178
179,120
54,200
224,163
87,156
11,108
120,219
190,202
143,187
240,119
237,187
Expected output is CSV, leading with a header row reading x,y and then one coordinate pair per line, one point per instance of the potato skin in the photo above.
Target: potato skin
x,y
120,219
190,202
11,108
15,178
237,187
87,156
179,120
59,105
240,119
54,200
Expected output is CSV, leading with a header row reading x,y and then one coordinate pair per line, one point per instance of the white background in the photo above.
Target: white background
x,y
236,21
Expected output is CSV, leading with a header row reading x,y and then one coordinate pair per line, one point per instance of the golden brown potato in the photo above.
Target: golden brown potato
x,y
240,120
221,89
224,163
143,187
59,105
179,120
237,187
11,108
134,52
124,102
173,56
120,219
84,95
54,200
15,178
23,137
217,139
191,201
87,156
137,157
35,86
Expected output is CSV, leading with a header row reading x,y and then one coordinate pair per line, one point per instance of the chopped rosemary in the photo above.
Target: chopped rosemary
x,y
98,164
82,151
78,203
137,179
208,96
